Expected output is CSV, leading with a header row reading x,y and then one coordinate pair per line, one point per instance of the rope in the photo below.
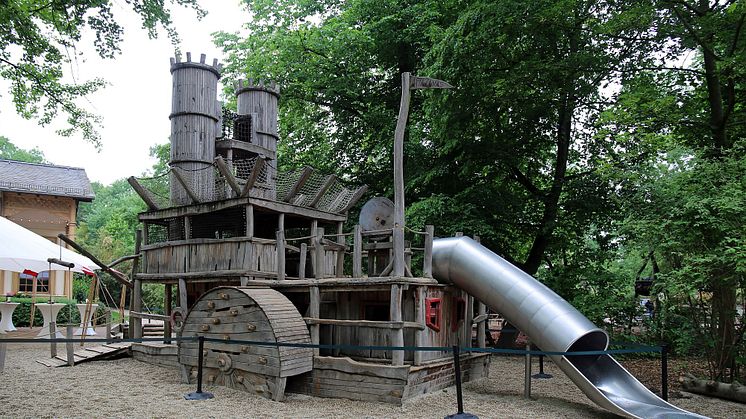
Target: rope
x,y
635,348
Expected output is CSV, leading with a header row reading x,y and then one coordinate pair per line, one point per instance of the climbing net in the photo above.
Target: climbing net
x,y
334,196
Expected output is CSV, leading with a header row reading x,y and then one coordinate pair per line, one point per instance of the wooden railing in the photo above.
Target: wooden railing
x,y
267,258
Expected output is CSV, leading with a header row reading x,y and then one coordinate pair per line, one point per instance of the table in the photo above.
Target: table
x,y
49,311
6,319
86,329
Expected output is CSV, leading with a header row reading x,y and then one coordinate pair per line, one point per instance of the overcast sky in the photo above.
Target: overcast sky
x,y
136,104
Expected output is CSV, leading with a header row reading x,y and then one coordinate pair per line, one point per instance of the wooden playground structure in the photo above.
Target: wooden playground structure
x,y
245,251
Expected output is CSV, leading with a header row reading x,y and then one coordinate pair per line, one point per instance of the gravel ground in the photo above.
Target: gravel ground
x,y
129,388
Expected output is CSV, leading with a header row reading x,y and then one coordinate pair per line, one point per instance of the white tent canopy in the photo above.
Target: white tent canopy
x,y
22,249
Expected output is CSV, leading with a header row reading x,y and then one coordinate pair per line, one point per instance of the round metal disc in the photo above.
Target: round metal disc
x,y
377,214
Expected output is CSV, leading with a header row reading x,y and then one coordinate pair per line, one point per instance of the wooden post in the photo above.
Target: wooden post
x,y
139,237
167,298
340,253
419,318
226,172
281,222
69,346
307,171
137,306
244,281
427,262
258,166
183,303
143,193
109,320
53,335
187,227
249,221
357,253
468,326
184,184
3,351
397,335
313,312
319,254
328,182
280,235
302,262
401,124
482,326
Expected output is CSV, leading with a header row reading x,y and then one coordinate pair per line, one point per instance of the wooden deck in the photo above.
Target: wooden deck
x,y
90,353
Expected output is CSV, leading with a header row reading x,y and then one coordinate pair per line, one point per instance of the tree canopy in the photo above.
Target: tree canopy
x,y
582,135
38,39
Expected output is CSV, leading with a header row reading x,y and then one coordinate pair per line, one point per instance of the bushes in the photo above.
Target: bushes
x,y
67,315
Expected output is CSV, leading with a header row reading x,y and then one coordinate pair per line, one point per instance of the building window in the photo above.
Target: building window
x,y
26,283
432,313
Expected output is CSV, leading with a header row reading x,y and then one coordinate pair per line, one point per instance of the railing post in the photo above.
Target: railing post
x,y
457,371
302,261
664,372
69,346
280,235
427,260
318,245
357,253
109,320
199,394
527,377
53,335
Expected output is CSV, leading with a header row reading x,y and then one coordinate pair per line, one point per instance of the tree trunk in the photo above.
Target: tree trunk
x,y
723,316
552,199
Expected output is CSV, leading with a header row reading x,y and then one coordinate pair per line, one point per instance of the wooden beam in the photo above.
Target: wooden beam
x,y
395,314
184,184
305,174
118,276
280,255
167,299
123,259
226,172
259,203
134,323
339,271
427,260
325,187
136,307
313,312
151,316
355,197
401,125
183,302
253,176
365,323
145,195
243,145
302,261
357,252
249,221
420,337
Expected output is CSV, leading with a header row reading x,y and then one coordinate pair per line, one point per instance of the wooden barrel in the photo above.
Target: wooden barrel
x,y
194,127
249,314
261,99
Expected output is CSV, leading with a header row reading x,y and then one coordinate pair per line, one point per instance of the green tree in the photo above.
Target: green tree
x,y
9,151
38,39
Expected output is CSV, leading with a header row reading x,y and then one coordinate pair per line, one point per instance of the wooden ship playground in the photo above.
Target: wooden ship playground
x,y
267,292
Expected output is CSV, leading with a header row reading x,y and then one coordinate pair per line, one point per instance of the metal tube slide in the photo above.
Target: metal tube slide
x,y
553,325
